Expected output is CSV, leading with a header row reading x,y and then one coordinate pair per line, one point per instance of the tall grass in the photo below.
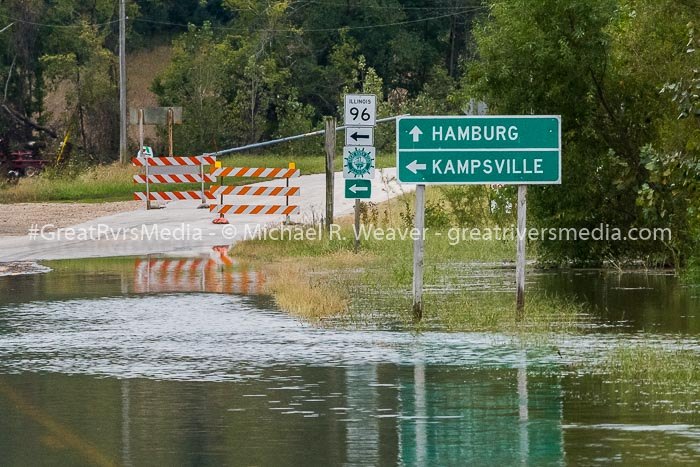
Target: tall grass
x,y
322,278
652,365
495,311
313,288
99,183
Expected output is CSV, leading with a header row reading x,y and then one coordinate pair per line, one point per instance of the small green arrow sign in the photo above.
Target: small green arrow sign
x,y
358,189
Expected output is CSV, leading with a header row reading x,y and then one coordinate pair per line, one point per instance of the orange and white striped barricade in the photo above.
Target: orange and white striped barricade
x,y
173,170
218,192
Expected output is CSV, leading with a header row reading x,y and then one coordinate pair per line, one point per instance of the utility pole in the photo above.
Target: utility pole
x,y
122,82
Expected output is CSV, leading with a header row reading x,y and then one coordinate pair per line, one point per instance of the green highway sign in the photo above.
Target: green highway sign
x,y
358,189
479,150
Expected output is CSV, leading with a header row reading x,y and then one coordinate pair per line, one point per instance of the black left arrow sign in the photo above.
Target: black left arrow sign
x,y
357,136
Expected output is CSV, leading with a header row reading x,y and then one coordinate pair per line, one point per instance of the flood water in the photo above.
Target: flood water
x,y
153,361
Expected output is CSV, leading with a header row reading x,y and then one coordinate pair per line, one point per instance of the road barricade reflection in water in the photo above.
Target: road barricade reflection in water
x,y
216,273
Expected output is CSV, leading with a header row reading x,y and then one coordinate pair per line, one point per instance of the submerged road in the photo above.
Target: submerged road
x,y
191,229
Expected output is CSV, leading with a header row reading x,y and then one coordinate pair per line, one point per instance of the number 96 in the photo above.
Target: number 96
x,y
355,114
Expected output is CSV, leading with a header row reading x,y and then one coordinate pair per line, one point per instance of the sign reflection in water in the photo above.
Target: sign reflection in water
x,y
360,415
94,370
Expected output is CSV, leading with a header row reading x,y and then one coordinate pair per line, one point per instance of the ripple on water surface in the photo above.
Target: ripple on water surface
x,y
233,364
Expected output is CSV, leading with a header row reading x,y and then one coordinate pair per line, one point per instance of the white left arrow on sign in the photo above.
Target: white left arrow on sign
x,y
356,188
415,167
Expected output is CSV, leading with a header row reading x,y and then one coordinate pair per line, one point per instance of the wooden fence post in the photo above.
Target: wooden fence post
x,y
330,174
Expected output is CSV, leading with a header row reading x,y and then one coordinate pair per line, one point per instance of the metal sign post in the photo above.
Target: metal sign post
x,y
141,154
291,166
171,119
205,204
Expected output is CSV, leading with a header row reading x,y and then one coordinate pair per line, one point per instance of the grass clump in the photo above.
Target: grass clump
x,y
495,311
312,289
637,375
652,366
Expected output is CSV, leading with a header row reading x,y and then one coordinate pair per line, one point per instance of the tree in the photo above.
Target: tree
x,y
22,89
89,70
576,59
199,80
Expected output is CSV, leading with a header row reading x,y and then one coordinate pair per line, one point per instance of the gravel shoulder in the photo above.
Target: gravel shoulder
x,y
16,219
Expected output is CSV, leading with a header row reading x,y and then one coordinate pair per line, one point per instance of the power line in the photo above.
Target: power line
x,y
393,7
229,28
363,27
54,25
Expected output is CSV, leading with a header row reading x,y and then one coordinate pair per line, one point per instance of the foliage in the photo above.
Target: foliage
x,y
19,64
88,68
436,217
71,45
197,80
600,65
244,70
480,205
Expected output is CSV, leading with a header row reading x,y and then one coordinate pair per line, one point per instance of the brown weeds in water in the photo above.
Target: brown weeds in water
x,y
312,288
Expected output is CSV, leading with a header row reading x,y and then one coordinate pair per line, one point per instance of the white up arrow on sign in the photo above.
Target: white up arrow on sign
x,y
415,132
415,166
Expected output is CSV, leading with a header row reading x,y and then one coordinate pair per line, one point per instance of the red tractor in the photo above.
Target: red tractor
x,y
28,159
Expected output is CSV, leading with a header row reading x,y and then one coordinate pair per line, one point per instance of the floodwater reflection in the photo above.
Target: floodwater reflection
x,y
361,415
171,361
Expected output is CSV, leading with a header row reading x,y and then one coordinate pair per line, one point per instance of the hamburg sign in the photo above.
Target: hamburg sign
x,y
479,150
